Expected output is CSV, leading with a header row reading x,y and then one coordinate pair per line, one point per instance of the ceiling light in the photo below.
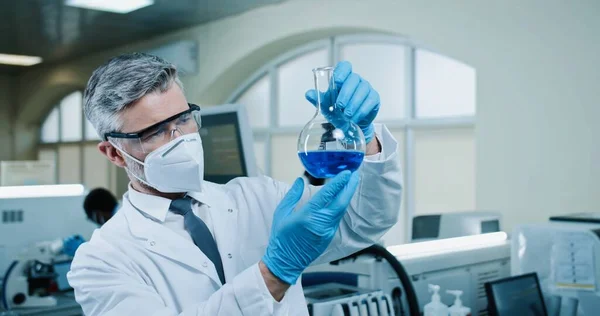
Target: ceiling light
x,y
19,60
116,6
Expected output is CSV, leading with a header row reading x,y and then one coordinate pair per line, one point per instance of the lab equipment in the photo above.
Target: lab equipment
x,y
299,237
334,299
330,142
29,278
31,214
458,309
464,263
227,141
17,173
589,217
71,243
357,98
566,257
455,224
518,295
435,307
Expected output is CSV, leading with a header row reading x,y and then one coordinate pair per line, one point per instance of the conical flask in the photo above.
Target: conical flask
x,y
330,142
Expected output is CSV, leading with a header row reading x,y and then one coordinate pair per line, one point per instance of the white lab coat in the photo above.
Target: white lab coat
x,y
136,266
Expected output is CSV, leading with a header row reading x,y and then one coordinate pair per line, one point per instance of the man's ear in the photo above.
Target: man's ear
x,y
108,150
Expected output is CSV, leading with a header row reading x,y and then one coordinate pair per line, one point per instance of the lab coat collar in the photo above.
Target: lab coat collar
x,y
162,240
158,207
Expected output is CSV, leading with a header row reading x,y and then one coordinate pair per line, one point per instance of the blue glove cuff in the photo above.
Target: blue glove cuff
x,y
278,270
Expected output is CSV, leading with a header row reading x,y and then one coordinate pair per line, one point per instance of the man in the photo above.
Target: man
x,y
99,206
183,246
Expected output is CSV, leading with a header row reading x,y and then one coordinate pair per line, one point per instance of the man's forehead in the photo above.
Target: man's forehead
x,y
153,108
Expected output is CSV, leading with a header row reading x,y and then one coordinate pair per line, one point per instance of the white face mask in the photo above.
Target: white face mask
x,y
175,167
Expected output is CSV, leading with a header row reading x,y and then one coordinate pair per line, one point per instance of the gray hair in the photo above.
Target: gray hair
x,y
122,81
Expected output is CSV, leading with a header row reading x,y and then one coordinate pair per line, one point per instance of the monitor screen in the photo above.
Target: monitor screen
x,y
490,226
223,149
426,226
520,295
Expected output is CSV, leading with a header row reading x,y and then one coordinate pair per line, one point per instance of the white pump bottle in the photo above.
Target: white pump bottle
x,y
435,307
458,309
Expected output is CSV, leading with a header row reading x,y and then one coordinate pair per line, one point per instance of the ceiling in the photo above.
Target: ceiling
x,y
55,32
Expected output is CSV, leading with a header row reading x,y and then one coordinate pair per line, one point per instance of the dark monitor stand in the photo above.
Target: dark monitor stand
x,y
519,295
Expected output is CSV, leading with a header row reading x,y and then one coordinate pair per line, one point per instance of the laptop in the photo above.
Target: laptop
x,y
518,295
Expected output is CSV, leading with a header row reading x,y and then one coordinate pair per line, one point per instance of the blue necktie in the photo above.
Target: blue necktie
x,y
199,232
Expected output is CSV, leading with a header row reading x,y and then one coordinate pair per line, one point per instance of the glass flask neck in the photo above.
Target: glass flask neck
x,y
326,90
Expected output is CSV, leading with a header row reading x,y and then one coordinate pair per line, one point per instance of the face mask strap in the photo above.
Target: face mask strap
x,y
136,161
126,154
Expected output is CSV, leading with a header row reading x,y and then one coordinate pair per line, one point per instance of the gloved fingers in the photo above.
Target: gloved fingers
x,y
369,109
291,198
326,98
344,197
329,191
341,72
311,96
356,105
347,91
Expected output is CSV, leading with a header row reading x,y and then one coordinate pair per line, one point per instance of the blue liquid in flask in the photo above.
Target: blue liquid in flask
x,y
328,163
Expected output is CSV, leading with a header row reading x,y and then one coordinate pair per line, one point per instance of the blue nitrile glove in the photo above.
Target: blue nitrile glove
x,y
299,237
70,244
356,97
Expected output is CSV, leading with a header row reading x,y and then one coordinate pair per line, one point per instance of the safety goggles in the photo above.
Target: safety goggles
x,y
156,135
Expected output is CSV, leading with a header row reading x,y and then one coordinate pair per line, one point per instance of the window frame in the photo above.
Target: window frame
x,y
81,144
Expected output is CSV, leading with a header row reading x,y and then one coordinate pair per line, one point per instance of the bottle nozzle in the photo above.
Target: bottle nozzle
x,y
457,293
434,288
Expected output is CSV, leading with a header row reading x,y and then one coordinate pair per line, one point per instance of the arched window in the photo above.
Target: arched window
x,y
428,102
70,140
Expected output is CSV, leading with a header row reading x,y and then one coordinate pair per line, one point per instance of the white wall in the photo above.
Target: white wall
x,y
536,64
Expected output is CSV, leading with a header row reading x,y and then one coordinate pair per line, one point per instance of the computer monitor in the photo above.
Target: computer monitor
x,y
518,295
455,224
228,143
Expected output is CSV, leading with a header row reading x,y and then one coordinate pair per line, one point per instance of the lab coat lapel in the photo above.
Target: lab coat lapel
x,y
163,241
224,219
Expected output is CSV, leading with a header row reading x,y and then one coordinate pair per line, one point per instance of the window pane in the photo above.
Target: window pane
x,y
95,168
444,170
260,147
50,127
383,65
47,155
70,117
444,87
294,79
285,164
69,164
397,234
90,132
257,100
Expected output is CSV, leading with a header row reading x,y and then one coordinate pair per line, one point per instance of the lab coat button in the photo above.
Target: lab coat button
x,y
229,256
152,243
205,264
230,210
